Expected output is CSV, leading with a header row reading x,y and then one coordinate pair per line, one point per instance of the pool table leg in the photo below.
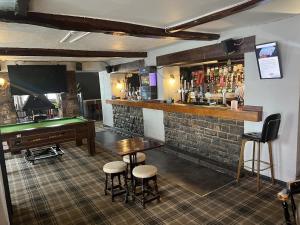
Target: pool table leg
x,y
91,145
91,138
78,141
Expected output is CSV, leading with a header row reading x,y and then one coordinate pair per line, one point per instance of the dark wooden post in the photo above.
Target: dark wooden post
x,y
5,182
91,137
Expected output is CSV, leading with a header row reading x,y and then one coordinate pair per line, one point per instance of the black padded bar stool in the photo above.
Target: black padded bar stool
x,y
268,134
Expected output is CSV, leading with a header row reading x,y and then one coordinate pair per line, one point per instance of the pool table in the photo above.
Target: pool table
x,y
48,132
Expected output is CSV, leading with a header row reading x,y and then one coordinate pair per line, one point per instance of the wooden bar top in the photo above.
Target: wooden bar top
x,y
246,113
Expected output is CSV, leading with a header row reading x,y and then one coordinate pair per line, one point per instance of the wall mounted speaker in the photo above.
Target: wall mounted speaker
x,y
229,46
78,66
109,69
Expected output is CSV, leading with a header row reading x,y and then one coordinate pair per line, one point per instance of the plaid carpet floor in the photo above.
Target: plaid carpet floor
x,y
71,192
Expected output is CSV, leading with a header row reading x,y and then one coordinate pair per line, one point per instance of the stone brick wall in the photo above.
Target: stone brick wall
x,y
7,109
70,105
209,141
128,119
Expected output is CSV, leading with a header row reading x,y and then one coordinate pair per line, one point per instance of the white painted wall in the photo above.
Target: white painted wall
x,y
160,84
115,89
166,89
3,209
170,88
93,66
277,96
105,87
154,124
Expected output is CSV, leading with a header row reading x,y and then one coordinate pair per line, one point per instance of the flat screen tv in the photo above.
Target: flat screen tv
x,y
268,60
89,85
37,79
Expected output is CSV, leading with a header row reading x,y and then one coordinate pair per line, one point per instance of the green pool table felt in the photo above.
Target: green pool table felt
x,y
46,123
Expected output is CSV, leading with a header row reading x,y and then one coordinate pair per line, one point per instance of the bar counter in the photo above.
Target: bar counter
x,y
208,135
242,114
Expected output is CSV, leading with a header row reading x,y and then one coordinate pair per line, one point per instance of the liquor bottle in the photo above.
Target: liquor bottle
x,y
207,75
216,71
182,90
208,87
186,93
200,94
212,80
217,77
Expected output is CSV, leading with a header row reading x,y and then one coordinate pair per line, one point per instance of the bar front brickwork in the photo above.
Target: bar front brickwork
x,y
212,142
128,119
7,109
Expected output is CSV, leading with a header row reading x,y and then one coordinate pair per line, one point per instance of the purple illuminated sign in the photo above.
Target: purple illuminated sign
x,y
152,79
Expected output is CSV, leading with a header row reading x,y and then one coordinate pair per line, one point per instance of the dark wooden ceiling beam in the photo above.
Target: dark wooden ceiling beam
x,y
68,53
85,24
213,16
206,53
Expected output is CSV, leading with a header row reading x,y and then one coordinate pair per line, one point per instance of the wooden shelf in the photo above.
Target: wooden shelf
x,y
250,113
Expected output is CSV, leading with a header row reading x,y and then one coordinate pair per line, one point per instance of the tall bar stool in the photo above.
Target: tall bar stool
x,y
144,174
268,134
116,169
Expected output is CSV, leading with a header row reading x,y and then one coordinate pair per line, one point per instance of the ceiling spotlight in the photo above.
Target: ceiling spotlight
x,y
118,33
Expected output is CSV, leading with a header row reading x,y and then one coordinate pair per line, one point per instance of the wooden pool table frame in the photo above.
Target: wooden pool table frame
x,y
44,136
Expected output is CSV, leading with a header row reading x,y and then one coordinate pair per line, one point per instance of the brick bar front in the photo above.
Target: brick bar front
x,y
128,120
208,141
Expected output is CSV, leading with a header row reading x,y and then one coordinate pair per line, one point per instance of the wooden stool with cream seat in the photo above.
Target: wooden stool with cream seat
x,y
116,169
290,202
144,174
268,134
140,159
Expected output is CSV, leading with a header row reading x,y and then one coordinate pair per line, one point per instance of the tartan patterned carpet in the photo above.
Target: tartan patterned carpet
x,y
71,192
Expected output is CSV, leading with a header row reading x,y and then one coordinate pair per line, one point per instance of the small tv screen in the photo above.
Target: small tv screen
x,y
152,79
268,60
37,79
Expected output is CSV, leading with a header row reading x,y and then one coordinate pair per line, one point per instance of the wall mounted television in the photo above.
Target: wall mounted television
x,y
268,60
37,79
89,85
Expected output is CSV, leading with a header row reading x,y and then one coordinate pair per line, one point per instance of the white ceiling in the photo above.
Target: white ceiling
x,y
8,4
148,12
159,13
